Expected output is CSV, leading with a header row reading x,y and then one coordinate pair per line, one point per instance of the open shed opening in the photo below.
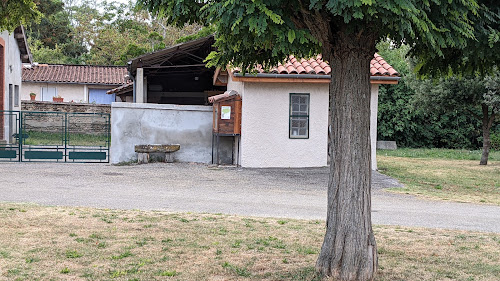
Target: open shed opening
x,y
176,75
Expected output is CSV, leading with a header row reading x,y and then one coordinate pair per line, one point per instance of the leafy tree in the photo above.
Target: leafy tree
x,y
16,12
477,61
54,27
345,32
476,96
51,40
113,33
480,55
413,124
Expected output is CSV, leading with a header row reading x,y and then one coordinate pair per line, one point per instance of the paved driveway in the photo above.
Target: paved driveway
x,y
292,193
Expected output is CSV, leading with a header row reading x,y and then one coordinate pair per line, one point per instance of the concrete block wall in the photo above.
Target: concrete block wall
x,y
144,123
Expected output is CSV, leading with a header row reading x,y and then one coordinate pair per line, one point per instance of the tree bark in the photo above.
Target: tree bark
x,y
349,251
487,122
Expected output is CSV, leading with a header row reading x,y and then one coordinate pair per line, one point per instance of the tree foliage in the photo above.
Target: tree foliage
x,y
412,124
104,33
17,12
52,39
479,55
476,96
271,30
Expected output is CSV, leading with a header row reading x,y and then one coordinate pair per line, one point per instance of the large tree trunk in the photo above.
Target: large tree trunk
x,y
349,250
487,122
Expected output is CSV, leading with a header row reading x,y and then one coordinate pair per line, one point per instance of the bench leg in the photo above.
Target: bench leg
x,y
143,158
169,157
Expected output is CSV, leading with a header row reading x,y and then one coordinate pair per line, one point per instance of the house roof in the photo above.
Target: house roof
x,y
76,74
123,89
22,43
316,66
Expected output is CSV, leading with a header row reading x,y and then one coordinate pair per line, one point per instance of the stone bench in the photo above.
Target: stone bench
x,y
143,151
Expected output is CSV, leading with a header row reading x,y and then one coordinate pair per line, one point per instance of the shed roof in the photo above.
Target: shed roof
x,y
170,56
123,89
76,74
22,43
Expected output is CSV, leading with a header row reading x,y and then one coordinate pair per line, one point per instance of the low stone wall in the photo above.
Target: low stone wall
x,y
389,145
46,117
46,106
142,123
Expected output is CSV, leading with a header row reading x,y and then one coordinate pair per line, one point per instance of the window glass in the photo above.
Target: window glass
x,y
299,116
48,93
16,95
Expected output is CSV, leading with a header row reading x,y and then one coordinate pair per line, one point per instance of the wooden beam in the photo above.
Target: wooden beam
x,y
394,82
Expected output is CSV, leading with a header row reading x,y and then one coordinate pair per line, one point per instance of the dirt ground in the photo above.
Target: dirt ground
x,y
183,187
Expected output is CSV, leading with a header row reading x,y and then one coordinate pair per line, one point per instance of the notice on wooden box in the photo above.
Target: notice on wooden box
x,y
225,112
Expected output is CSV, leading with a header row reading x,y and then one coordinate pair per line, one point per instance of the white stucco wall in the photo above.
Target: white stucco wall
x,y
144,123
70,92
265,138
12,70
268,145
373,124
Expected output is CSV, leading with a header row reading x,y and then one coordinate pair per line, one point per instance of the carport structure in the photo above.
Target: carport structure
x,y
176,75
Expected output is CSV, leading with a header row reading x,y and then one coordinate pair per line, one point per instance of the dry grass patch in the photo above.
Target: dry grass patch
x,y
445,179
42,243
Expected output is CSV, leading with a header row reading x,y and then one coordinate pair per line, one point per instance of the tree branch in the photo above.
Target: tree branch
x,y
474,114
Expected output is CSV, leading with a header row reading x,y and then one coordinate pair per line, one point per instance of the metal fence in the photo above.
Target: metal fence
x,y
54,136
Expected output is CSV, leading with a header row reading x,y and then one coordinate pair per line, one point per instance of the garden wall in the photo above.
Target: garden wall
x,y
49,117
46,106
143,123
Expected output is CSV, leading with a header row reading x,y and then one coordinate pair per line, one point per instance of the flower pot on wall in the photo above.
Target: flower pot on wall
x,y
57,99
32,97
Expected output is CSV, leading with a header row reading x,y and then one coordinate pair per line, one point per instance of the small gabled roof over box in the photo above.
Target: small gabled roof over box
x,y
76,74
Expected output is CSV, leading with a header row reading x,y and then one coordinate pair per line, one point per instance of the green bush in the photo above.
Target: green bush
x,y
495,141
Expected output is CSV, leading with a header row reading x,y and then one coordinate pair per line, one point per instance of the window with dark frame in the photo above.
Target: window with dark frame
x,y
299,116
16,95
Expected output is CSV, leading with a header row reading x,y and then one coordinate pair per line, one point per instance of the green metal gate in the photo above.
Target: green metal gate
x,y
54,136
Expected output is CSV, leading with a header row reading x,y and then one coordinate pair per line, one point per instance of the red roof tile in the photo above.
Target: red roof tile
x,y
81,74
378,67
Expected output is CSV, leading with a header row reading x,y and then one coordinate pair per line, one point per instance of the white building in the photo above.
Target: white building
x,y
73,83
14,52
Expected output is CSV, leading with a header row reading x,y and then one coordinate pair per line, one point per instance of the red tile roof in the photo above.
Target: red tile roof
x,y
378,67
81,74
123,89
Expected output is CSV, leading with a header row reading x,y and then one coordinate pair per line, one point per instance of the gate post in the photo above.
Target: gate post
x,y
20,144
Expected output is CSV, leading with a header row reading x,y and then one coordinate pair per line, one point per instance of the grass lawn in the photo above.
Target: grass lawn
x,y
74,139
444,174
55,243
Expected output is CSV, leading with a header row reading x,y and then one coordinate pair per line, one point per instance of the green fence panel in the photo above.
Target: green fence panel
x,y
87,155
8,154
46,155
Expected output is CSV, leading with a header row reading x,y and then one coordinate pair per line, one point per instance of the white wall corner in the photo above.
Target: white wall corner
x,y
373,124
139,87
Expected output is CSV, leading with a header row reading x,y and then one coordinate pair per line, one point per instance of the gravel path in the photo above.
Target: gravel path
x,y
292,193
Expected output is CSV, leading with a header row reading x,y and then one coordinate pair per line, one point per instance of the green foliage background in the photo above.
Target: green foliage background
x,y
402,119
